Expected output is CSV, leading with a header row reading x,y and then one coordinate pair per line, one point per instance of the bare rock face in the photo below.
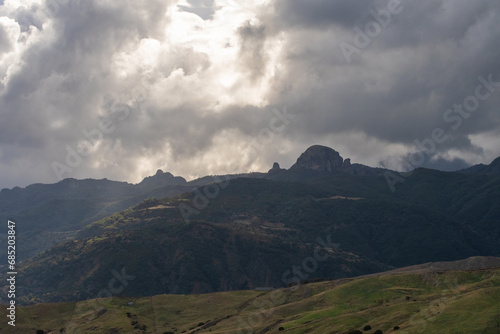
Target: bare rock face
x,y
159,172
322,159
276,168
162,179
347,164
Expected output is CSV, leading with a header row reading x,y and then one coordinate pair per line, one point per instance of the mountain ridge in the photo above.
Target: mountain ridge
x,y
254,229
93,224
492,169
316,157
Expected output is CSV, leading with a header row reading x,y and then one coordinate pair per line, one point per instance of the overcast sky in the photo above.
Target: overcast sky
x,y
119,89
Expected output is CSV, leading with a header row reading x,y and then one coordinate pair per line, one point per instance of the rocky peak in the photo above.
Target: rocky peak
x,y
276,168
162,179
321,159
160,173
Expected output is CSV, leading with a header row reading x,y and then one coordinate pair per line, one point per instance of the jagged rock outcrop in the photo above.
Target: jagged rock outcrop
x,y
346,164
163,179
276,168
322,159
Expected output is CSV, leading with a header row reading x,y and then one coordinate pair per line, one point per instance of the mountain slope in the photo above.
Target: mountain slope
x,y
491,169
49,214
246,232
469,199
423,302
252,232
168,255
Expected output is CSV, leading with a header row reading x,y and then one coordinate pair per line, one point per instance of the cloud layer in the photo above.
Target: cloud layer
x,y
119,90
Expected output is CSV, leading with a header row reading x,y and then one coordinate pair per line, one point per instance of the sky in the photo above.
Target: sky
x,y
119,89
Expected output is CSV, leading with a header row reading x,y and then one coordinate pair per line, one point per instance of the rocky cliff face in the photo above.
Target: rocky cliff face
x,y
322,159
276,168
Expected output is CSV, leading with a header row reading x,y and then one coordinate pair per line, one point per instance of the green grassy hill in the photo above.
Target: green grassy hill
x,y
466,301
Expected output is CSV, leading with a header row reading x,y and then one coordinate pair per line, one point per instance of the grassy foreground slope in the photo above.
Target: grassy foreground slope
x,y
466,301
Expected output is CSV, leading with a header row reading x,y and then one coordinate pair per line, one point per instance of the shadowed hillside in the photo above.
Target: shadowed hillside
x,y
429,301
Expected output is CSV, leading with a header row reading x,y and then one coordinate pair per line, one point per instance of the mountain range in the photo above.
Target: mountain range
x,y
324,218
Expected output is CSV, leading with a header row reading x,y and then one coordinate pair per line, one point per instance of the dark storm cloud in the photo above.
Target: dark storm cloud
x,y
64,65
317,13
57,91
197,99
447,165
434,162
252,50
397,88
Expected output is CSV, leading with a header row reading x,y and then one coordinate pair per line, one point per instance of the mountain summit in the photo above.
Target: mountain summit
x,y
162,179
322,159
